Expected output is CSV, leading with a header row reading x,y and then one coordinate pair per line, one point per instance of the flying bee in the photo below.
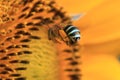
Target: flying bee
x,y
68,34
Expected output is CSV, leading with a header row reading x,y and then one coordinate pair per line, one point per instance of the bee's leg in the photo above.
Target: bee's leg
x,y
53,36
57,40
64,36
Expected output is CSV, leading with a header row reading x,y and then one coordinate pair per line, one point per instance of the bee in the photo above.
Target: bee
x,y
68,34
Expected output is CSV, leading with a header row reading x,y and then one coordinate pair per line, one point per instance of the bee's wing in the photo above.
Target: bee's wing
x,y
75,17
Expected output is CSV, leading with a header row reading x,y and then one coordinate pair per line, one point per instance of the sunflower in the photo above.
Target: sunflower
x,y
27,54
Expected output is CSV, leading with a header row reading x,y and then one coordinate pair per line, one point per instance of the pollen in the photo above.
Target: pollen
x,y
25,51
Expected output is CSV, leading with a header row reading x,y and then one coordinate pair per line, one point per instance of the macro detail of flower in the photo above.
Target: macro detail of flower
x,y
26,53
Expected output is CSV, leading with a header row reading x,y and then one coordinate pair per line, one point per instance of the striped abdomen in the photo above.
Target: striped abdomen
x,y
73,33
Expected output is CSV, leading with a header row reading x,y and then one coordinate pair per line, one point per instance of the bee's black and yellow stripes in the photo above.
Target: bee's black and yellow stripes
x,y
72,32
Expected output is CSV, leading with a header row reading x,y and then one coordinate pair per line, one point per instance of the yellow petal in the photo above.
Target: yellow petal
x,y
100,28
100,40
101,23
100,67
79,6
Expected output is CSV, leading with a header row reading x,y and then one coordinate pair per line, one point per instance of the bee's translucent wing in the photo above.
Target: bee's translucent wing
x,y
75,17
